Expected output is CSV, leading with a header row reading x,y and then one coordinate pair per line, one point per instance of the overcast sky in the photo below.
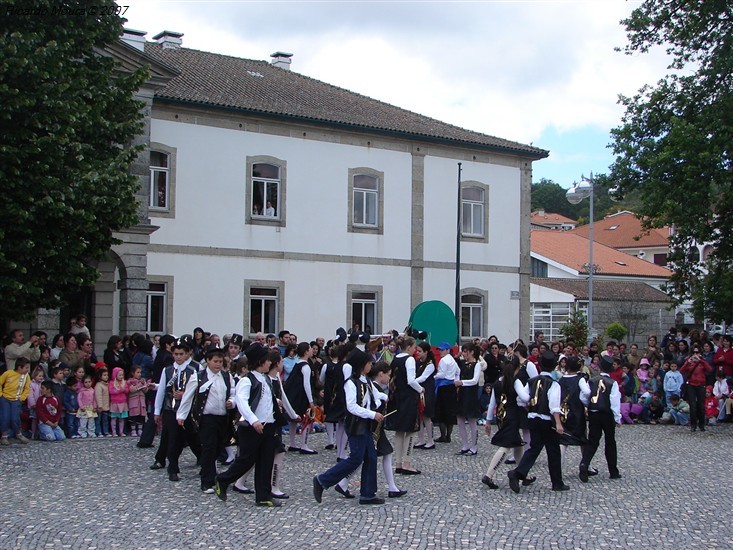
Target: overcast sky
x,y
534,71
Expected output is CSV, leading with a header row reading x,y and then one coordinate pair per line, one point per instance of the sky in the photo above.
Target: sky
x,y
540,72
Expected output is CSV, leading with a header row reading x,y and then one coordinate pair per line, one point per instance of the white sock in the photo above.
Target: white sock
x,y
428,427
498,457
231,453
463,433
293,432
389,472
277,465
330,429
473,440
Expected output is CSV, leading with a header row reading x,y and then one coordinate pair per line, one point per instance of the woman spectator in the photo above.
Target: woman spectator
x,y
144,359
71,355
494,362
723,359
112,357
57,346
652,352
670,352
198,344
683,352
695,370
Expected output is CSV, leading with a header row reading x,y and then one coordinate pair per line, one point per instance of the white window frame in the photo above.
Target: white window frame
x,y
167,211
272,297
149,297
252,218
477,306
279,298
378,194
356,296
478,208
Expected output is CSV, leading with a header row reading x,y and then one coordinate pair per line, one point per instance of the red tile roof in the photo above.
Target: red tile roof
x,y
549,217
570,249
251,86
622,230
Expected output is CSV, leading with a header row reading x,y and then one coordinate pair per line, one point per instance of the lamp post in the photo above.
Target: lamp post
x,y
575,195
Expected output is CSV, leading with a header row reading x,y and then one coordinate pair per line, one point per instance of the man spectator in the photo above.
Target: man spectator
x,y
284,336
18,347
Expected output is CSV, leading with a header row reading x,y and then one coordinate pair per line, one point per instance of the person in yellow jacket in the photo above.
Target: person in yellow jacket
x,y
15,387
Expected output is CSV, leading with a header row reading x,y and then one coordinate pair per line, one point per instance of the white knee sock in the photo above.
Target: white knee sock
x,y
473,430
277,465
304,439
428,426
497,459
330,429
342,440
463,433
389,472
399,448
293,432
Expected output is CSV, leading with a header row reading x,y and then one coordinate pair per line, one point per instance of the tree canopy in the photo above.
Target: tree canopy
x,y
673,146
66,122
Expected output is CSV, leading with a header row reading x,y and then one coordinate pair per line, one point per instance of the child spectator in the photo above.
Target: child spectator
x,y
48,411
721,392
87,408
679,412
653,408
136,400
15,386
36,380
672,383
71,407
118,411
711,406
484,401
101,396
57,377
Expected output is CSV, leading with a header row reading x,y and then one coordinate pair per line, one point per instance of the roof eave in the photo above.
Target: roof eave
x,y
537,154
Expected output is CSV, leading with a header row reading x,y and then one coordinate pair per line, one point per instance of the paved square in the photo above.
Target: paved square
x,y
676,492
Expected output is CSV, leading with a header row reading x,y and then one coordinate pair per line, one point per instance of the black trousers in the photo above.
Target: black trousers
x,y
256,450
542,436
696,399
173,439
213,430
601,423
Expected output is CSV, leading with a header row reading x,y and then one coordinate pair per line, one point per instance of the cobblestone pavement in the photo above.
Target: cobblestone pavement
x,y
100,494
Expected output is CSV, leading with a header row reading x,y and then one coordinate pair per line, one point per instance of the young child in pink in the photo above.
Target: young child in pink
x,y
87,408
136,400
36,379
118,411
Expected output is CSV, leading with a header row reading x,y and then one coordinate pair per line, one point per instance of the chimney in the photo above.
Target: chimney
x,y
169,39
281,59
134,38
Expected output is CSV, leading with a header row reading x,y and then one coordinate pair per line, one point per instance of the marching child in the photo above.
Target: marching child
x,y
15,387
136,400
87,408
48,411
118,411
101,396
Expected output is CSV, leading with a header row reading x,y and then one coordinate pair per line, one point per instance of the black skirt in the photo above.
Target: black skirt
x,y
384,447
468,402
429,396
446,404
405,419
508,434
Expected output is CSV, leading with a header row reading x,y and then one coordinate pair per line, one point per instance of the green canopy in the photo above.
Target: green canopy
x,y
437,319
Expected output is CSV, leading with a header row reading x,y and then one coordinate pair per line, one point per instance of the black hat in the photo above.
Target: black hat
x,y
606,363
213,349
353,337
357,359
572,364
237,340
256,354
340,335
364,337
184,342
548,361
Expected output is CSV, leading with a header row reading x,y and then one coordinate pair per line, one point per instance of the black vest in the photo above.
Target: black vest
x,y
201,398
173,382
600,394
522,374
356,425
539,387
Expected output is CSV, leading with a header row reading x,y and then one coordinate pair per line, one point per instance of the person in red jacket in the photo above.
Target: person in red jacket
x,y
695,370
723,358
48,411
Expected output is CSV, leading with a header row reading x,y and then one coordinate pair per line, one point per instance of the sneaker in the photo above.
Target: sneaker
x,y
4,441
23,439
208,491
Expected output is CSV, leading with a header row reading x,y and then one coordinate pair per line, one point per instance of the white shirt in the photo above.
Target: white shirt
x,y
429,369
448,368
411,370
476,375
215,403
286,404
584,388
521,393
263,412
363,409
163,384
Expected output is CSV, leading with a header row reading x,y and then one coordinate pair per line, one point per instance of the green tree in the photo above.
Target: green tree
x,y
576,328
617,331
66,122
673,146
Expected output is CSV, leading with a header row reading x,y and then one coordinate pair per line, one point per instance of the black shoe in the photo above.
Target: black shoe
x,y
174,477
471,453
396,494
693,429
409,472
157,466
317,489
429,448
269,503
513,481
375,500
462,452
529,480
447,439
308,452
281,496
583,473
419,446
293,449
221,490
615,476
330,447
246,491
346,493
510,461
486,480
441,439
702,428
143,446
562,487
592,472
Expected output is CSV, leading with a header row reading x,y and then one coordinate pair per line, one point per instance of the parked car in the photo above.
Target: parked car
x,y
713,329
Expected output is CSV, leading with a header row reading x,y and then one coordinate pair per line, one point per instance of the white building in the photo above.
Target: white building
x,y
278,201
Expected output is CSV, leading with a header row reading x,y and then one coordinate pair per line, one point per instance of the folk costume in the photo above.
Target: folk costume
x,y
527,370
469,408
426,378
334,400
361,410
446,397
574,397
382,444
604,412
208,400
299,390
544,419
404,401
256,433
